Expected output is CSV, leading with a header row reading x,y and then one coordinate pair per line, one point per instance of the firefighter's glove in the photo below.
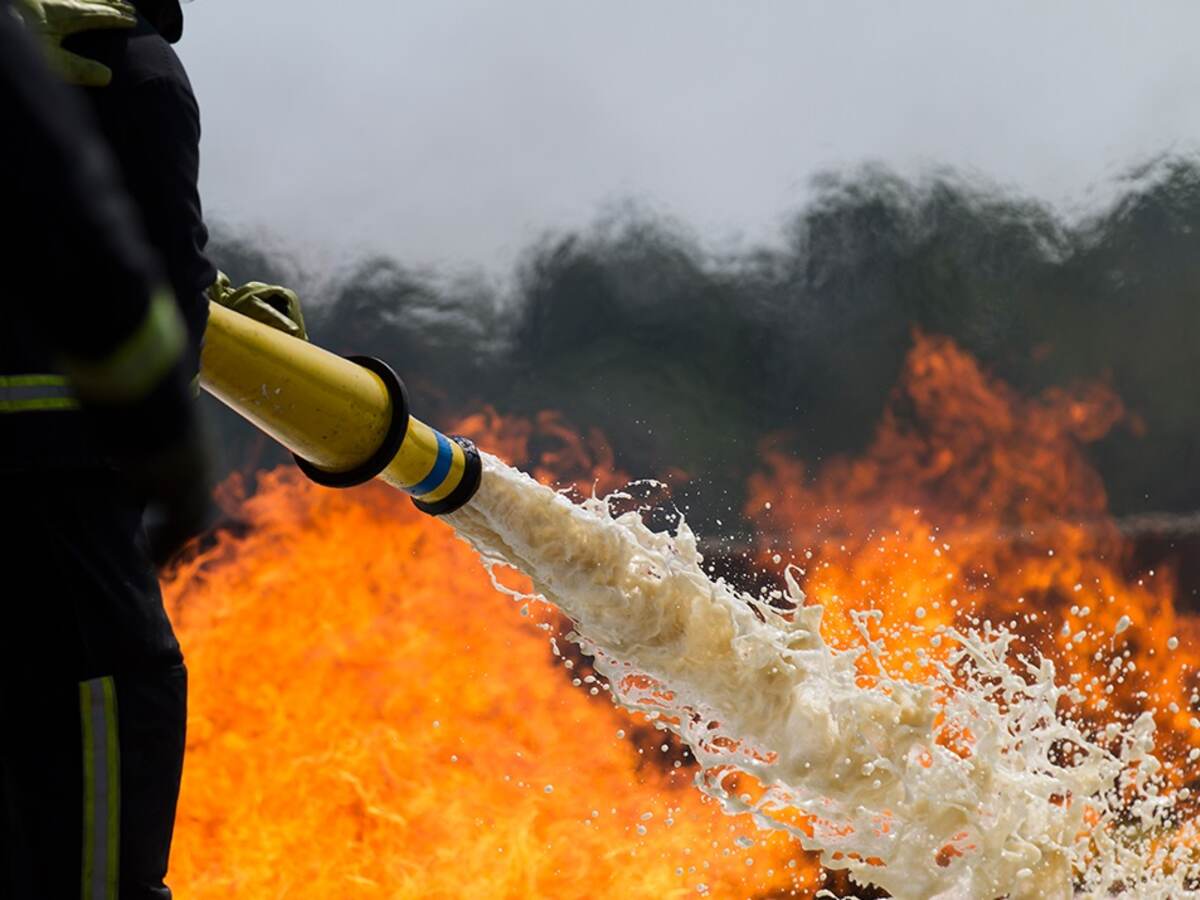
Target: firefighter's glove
x,y
56,20
176,484
275,306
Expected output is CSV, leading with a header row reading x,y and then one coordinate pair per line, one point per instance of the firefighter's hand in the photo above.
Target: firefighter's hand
x,y
269,304
177,487
56,20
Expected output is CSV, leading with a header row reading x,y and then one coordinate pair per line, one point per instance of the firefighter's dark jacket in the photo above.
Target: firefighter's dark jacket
x,y
76,294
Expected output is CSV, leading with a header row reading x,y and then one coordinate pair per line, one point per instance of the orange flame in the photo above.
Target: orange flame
x,y
549,448
371,718
973,503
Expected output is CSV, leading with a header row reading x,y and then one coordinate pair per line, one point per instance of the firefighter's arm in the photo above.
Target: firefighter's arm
x,y
165,156
166,122
167,125
119,338
163,159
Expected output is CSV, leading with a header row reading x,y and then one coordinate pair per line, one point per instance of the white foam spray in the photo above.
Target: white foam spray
x,y
974,782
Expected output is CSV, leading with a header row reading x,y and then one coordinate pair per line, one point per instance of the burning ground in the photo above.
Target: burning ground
x,y
370,715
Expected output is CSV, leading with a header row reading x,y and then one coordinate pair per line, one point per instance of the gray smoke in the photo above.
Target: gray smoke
x,y
686,358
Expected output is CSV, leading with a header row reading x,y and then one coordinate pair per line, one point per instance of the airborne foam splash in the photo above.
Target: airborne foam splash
x,y
972,780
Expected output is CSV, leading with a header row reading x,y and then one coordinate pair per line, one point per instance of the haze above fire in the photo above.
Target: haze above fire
x,y
454,133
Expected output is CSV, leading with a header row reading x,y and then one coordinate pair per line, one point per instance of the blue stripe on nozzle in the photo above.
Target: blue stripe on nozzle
x,y
441,467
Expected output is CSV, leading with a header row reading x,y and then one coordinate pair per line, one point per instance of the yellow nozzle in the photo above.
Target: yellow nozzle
x,y
346,421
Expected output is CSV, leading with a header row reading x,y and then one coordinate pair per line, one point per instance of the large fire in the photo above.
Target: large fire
x,y
371,717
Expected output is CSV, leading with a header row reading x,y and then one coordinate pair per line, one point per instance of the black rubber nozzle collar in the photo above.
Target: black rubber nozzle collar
x,y
381,458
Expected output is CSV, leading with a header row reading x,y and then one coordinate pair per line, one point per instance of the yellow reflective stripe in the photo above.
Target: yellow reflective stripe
x,y
89,791
101,789
458,466
139,364
24,393
33,381
113,758
47,405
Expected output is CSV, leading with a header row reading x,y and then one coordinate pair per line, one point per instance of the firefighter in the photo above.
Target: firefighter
x,y
96,418
92,682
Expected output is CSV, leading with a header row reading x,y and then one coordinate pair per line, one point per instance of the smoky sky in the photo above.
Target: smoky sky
x,y
457,132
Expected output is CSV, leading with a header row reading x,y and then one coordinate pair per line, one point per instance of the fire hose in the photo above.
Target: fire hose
x,y
346,420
